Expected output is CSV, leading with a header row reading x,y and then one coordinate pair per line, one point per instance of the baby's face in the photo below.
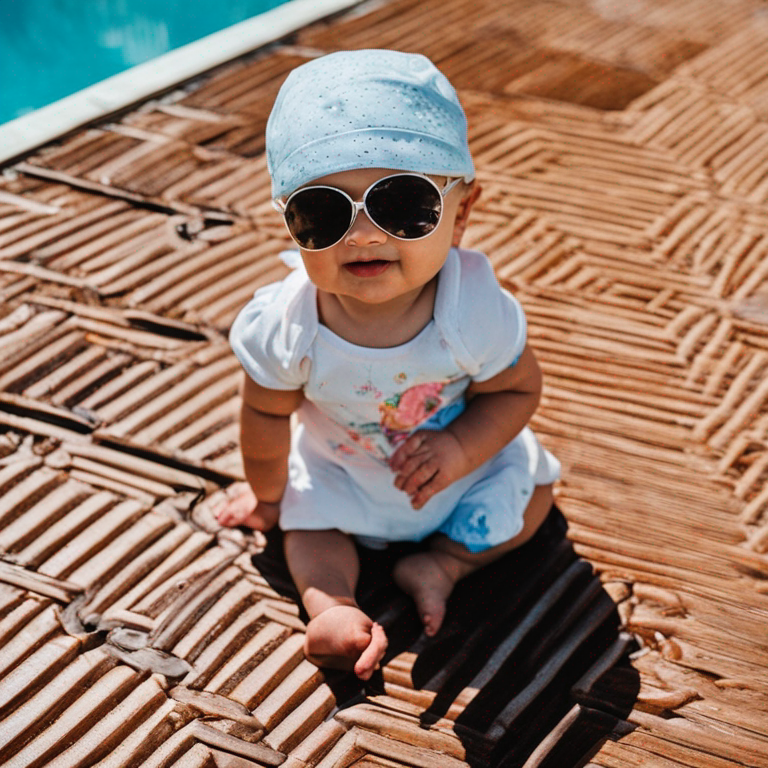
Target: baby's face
x,y
367,264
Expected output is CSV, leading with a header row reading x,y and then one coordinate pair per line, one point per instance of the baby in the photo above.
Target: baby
x,y
403,362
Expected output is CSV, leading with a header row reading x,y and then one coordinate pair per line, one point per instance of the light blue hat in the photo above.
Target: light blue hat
x,y
365,109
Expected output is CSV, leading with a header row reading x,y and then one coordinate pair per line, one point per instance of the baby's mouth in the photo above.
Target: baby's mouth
x,y
367,268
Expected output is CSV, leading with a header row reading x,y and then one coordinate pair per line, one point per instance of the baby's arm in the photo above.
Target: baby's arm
x,y
265,440
497,411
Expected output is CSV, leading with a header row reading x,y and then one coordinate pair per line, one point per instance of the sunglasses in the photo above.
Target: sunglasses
x,y
407,206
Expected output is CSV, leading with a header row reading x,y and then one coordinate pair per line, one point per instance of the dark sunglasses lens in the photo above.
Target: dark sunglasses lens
x,y
317,218
405,206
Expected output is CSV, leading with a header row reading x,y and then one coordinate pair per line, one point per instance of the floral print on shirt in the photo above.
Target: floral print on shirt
x,y
432,404
405,411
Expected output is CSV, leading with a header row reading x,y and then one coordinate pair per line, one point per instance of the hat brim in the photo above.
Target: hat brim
x,y
386,148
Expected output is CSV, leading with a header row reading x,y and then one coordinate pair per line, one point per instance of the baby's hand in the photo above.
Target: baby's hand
x,y
241,508
427,462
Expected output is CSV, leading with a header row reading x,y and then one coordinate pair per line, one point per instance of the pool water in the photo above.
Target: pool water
x,y
52,48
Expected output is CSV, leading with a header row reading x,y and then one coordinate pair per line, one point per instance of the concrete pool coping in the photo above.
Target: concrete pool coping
x,y
24,134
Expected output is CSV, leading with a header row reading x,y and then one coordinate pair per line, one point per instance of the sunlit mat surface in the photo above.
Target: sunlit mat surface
x,y
623,153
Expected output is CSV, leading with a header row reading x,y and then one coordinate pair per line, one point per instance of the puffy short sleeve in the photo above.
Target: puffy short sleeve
x,y
489,321
273,333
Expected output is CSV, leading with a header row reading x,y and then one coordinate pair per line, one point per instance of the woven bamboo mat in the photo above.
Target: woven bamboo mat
x,y
623,154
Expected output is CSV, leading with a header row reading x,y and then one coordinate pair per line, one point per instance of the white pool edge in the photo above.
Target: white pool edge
x,y
31,131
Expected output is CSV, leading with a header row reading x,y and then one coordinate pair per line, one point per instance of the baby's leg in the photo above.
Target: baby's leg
x,y
429,577
325,568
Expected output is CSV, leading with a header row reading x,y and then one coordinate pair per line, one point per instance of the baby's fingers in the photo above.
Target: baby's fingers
x,y
434,485
408,468
420,476
407,449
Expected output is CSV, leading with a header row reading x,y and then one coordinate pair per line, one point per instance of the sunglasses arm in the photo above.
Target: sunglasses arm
x,y
449,185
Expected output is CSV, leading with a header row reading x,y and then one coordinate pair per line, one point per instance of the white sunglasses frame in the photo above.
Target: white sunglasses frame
x,y
281,206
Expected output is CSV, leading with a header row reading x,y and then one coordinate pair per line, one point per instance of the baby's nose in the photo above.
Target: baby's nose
x,y
364,232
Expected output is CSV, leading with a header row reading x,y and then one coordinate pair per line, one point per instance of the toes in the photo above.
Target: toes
x,y
431,609
360,647
432,619
429,585
373,654
343,637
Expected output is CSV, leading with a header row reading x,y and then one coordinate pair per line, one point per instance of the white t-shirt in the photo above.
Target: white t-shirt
x,y
361,402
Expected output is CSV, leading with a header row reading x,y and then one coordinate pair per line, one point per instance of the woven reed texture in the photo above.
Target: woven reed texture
x,y
623,155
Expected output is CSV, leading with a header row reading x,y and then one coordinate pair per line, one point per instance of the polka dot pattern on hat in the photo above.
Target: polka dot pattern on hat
x,y
365,109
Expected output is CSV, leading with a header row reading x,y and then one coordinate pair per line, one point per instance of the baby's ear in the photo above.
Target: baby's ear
x,y
465,207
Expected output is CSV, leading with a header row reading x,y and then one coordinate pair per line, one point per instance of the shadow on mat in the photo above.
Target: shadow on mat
x,y
530,651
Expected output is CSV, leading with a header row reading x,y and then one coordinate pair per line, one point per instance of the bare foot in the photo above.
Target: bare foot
x,y
241,508
343,637
429,584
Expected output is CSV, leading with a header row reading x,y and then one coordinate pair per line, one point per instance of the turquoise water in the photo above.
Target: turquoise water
x,y
52,48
